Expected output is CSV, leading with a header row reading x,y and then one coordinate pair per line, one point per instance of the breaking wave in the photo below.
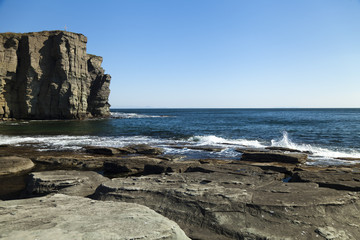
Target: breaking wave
x,y
121,115
319,155
317,152
65,142
214,140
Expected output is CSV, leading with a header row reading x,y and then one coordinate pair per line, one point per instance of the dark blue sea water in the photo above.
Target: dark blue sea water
x,y
328,133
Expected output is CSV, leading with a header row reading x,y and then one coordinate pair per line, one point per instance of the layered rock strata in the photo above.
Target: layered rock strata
x,y
49,75
69,182
241,202
210,198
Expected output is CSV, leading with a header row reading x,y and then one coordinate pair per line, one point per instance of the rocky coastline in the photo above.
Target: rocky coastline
x,y
266,194
138,191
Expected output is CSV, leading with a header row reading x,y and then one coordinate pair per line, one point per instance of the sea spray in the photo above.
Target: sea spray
x,y
214,140
316,151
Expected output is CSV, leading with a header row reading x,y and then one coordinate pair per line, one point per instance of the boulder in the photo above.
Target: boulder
x,y
68,217
69,182
295,158
13,164
240,202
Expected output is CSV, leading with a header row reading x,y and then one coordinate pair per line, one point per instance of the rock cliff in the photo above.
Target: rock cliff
x,y
49,75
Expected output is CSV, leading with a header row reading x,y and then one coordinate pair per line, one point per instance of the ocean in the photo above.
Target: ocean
x,y
328,133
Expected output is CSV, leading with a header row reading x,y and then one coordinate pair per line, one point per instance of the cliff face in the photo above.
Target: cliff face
x,y
49,75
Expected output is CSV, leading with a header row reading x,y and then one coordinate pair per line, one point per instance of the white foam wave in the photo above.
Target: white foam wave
x,y
317,152
320,155
65,142
133,115
214,140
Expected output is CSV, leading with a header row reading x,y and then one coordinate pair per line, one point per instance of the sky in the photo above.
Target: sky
x,y
212,53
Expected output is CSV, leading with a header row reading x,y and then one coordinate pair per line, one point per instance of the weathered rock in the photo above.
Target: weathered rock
x,y
282,149
335,179
207,148
274,157
103,150
134,165
67,217
49,75
286,168
243,203
329,233
130,165
69,182
146,149
13,164
247,150
74,161
126,150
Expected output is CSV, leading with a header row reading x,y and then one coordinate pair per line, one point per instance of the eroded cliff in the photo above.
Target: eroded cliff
x,y
49,75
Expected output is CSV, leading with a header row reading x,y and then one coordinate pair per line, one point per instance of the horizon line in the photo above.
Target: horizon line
x,y
234,107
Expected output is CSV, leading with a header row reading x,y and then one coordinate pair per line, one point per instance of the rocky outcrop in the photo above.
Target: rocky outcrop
x,y
235,201
69,182
273,156
67,217
130,149
13,164
335,178
49,75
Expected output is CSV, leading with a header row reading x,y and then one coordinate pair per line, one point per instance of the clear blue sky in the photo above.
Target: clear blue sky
x,y
212,53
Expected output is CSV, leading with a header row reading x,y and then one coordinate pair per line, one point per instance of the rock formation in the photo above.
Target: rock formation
x,y
235,201
13,164
49,75
69,182
67,217
264,196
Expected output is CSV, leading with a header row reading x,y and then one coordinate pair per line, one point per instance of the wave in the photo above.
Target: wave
x,y
66,142
317,152
319,155
121,115
214,140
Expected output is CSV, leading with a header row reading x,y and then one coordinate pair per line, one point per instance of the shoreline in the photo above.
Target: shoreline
x,y
264,189
93,159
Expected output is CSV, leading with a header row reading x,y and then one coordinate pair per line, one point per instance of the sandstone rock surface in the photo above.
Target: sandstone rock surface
x,y
69,182
49,75
67,217
234,201
130,149
145,149
273,156
336,179
13,164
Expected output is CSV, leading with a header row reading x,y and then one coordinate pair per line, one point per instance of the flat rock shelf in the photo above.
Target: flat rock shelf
x,y
270,194
66,217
